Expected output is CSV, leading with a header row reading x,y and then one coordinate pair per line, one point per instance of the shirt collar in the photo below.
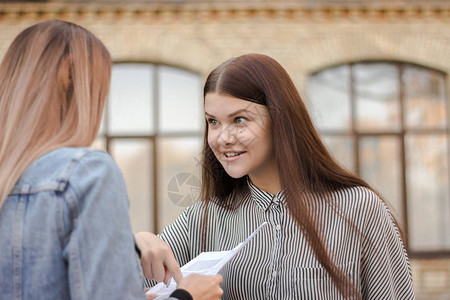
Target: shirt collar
x,y
262,198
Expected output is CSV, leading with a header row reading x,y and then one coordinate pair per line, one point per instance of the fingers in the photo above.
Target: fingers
x,y
167,277
173,269
157,259
158,271
150,296
219,279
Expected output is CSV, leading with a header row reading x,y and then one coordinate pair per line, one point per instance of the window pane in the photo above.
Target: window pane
x,y
131,100
380,167
180,105
341,147
376,89
179,176
134,157
329,98
424,98
428,192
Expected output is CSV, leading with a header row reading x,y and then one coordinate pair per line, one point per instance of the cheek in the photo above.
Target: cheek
x,y
265,141
269,151
246,137
212,140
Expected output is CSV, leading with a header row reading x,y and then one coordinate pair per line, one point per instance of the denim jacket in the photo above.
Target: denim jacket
x,y
65,231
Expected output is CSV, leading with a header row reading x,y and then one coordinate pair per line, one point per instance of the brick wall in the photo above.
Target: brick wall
x,y
303,37
431,278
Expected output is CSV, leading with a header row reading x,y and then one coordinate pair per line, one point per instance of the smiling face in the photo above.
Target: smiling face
x,y
240,135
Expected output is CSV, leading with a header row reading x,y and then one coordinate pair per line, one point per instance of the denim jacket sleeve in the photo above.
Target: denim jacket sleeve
x,y
99,245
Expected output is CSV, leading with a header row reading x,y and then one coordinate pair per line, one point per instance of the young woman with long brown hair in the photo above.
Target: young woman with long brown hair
x,y
331,236
65,232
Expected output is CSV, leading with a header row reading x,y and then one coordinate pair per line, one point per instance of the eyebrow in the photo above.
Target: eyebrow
x,y
232,114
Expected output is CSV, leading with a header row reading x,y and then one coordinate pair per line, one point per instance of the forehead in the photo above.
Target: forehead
x,y
221,104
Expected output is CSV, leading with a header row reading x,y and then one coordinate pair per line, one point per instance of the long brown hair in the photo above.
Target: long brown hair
x,y
54,79
305,165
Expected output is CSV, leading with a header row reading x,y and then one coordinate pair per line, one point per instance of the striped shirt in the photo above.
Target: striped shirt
x,y
278,262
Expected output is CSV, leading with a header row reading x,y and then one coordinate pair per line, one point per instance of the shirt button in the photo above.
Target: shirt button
x,y
274,274
278,227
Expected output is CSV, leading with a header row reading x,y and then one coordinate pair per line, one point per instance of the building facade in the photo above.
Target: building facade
x,y
373,73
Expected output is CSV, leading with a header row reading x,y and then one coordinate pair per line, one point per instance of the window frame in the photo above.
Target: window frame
x,y
154,138
356,136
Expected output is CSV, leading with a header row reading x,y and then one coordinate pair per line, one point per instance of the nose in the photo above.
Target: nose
x,y
228,136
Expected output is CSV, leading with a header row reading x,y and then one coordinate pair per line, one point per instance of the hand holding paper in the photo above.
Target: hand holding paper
x,y
206,263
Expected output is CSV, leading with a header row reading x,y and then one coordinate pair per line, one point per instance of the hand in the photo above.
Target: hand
x,y
151,296
202,287
157,258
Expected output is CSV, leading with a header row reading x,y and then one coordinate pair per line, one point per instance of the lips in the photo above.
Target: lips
x,y
232,155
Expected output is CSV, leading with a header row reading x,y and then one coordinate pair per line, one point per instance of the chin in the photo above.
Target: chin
x,y
235,175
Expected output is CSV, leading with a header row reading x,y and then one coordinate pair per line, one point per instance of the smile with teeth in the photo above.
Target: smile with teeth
x,y
233,154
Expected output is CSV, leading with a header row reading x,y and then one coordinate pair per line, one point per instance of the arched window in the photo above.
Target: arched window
x,y
152,127
389,123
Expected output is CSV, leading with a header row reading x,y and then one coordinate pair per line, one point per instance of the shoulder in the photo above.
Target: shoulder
x,y
215,206
362,205
55,169
356,193
214,211
196,210
368,200
373,213
194,214
357,197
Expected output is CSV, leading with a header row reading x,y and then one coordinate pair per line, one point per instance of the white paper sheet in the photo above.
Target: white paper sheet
x,y
206,263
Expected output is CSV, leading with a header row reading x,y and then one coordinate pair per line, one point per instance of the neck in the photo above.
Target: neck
x,y
270,184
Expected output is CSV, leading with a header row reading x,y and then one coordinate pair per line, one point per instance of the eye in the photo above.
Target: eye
x,y
240,120
212,122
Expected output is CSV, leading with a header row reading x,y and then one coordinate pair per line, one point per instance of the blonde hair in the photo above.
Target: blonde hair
x,y
54,79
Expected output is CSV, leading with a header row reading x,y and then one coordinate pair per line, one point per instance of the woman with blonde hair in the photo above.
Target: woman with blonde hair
x,y
64,225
